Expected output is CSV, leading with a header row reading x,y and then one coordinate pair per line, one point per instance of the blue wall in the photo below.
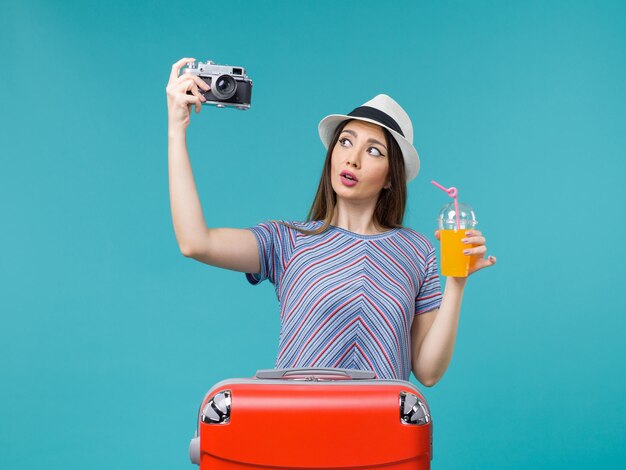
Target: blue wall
x,y
109,337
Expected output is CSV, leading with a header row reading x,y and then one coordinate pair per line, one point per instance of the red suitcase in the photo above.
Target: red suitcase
x,y
313,418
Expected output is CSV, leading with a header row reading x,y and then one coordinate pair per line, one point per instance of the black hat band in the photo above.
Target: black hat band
x,y
376,115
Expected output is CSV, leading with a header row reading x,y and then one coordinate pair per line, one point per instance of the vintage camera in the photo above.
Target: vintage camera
x,y
230,86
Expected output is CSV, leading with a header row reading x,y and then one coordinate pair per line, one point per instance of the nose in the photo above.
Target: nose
x,y
354,160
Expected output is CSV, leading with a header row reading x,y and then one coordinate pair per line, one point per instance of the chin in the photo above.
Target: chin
x,y
341,190
346,193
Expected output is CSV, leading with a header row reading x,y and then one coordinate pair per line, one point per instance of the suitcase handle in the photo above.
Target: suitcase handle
x,y
311,371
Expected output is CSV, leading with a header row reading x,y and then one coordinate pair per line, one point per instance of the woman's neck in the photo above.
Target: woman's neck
x,y
355,218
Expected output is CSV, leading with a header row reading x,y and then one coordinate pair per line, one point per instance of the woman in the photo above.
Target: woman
x,y
357,290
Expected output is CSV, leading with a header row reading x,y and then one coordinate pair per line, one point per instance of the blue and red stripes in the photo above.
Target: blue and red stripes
x,y
347,300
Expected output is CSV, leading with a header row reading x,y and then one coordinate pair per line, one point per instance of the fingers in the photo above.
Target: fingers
x,y
473,237
473,240
177,66
484,263
190,85
199,82
479,250
193,100
477,242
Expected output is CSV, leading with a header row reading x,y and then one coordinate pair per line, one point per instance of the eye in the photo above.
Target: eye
x,y
375,152
345,142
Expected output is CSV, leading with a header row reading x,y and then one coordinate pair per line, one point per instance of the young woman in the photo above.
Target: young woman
x,y
357,290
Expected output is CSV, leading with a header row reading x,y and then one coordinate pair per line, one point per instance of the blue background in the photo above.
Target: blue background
x,y
109,337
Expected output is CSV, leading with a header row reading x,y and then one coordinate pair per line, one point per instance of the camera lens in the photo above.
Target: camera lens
x,y
224,87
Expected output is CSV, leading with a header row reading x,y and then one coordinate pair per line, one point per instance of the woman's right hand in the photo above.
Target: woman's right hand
x,y
179,103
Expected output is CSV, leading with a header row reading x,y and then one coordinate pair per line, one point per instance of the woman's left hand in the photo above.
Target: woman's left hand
x,y
476,248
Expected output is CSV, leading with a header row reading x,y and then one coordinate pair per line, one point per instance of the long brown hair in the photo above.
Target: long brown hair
x,y
389,211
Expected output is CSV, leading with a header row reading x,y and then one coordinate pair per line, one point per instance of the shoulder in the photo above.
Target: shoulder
x,y
417,239
307,225
295,224
286,227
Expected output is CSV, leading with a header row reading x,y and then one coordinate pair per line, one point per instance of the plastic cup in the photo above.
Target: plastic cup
x,y
453,262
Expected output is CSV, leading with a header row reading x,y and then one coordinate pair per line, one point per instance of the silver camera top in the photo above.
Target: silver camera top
x,y
230,86
211,68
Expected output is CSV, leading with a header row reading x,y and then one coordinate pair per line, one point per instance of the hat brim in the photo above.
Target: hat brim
x,y
327,126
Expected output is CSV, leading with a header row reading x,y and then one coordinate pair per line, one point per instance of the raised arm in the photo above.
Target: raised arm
x,y
228,248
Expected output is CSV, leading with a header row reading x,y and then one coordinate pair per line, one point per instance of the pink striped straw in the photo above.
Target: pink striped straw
x,y
453,193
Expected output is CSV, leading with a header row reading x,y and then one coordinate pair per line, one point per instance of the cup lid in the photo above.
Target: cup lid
x,y
447,215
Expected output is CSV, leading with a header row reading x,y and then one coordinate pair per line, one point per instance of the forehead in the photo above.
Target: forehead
x,y
366,130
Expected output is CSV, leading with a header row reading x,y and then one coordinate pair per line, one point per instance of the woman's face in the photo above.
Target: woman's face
x,y
362,152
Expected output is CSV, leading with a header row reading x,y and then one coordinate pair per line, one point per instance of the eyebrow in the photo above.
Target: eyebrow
x,y
374,141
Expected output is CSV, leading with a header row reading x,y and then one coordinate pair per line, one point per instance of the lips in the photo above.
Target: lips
x,y
348,179
348,175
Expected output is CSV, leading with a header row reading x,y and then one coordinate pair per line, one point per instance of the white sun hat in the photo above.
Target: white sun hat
x,y
385,112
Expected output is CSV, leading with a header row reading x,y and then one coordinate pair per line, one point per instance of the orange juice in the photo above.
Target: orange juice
x,y
453,262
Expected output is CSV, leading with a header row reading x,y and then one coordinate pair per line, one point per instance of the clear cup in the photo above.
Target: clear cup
x,y
453,262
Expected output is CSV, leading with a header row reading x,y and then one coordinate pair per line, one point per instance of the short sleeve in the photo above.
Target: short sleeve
x,y
429,296
274,242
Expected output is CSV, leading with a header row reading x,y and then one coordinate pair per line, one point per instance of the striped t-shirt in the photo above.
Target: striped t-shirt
x,y
347,300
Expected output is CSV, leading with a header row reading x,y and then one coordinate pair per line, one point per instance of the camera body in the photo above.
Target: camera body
x,y
230,86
